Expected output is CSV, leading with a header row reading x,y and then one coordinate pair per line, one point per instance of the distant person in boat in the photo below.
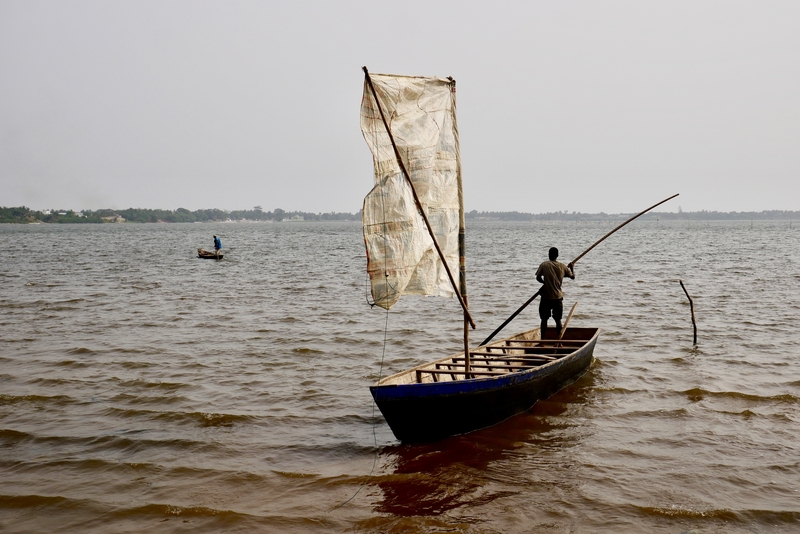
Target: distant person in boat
x,y
217,245
551,273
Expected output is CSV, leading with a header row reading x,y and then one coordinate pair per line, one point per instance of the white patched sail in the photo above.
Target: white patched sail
x,y
401,257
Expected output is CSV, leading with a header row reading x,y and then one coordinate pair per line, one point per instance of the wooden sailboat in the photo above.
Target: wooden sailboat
x,y
414,234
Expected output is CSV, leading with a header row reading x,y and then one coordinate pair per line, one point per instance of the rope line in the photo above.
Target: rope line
x,y
387,288
374,423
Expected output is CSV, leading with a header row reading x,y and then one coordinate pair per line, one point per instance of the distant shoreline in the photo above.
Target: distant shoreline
x,y
23,215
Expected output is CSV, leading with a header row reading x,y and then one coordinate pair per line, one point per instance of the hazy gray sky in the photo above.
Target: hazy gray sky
x,y
579,106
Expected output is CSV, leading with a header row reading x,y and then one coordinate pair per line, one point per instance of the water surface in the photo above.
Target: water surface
x,y
142,388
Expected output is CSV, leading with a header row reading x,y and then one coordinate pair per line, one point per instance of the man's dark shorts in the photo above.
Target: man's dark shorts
x,y
548,307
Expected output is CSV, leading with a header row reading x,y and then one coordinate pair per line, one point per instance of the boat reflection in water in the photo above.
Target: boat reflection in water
x,y
431,479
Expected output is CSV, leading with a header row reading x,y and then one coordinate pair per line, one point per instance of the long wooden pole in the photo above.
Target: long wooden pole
x,y
417,201
511,318
621,225
491,336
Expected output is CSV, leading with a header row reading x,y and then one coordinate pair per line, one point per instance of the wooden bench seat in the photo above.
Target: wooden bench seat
x,y
519,358
542,341
483,365
549,356
454,372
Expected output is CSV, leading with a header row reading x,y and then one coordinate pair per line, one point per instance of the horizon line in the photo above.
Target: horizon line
x,y
297,211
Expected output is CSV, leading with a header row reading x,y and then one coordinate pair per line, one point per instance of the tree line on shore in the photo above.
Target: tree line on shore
x,y
139,215
766,215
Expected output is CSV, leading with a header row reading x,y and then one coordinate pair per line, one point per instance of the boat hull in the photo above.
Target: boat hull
x,y
433,410
206,255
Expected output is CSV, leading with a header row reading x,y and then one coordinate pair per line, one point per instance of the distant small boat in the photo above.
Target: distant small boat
x,y
206,255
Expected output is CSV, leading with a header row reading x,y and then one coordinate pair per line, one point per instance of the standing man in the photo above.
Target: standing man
x,y
551,274
217,246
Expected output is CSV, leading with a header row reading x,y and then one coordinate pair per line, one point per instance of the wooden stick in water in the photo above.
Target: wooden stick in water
x,y
691,305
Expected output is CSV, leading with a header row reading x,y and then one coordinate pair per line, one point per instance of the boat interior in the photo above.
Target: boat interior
x,y
514,354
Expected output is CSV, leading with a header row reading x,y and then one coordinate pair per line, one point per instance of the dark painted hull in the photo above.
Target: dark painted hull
x,y
434,410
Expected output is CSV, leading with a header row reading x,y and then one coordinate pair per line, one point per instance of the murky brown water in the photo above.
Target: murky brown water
x,y
142,389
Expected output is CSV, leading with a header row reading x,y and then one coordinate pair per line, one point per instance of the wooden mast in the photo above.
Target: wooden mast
x,y
462,245
417,201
